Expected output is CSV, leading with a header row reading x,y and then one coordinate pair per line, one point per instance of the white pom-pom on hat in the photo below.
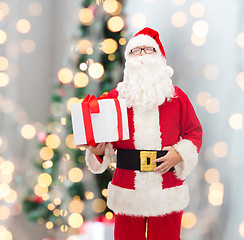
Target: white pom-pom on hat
x,y
170,71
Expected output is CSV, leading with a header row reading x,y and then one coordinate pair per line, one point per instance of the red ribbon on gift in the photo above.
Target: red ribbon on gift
x,y
90,105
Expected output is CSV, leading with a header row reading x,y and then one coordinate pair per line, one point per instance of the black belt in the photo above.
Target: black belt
x,y
141,160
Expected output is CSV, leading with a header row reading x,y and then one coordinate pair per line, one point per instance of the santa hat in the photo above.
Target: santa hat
x,y
145,37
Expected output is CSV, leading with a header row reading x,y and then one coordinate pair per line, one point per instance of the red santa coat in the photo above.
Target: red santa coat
x,y
174,123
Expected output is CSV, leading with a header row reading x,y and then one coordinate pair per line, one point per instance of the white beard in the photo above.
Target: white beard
x,y
146,82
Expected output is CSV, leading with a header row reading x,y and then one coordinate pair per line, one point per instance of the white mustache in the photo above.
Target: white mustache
x,y
142,60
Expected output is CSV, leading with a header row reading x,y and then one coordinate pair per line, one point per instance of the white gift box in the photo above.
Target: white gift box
x,y
97,231
104,123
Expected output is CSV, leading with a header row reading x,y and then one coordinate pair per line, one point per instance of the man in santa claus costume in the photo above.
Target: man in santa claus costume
x,y
148,185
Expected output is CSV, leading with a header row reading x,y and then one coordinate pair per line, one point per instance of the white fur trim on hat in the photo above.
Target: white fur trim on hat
x,y
153,202
188,152
141,40
94,165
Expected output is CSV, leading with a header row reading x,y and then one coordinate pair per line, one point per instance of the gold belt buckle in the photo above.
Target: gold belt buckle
x,y
146,161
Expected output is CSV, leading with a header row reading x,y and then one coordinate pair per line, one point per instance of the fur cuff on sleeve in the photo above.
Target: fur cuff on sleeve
x,y
188,152
93,163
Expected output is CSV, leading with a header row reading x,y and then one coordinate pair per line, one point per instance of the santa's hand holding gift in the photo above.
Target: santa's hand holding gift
x,y
149,184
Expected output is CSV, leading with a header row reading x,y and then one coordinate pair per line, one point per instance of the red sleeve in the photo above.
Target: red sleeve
x,y
191,128
113,93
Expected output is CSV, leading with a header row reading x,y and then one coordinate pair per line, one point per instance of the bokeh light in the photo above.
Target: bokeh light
x,y
63,121
211,175
53,141
69,140
85,46
76,206
3,36
198,41
109,215
86,16
179,19
236,121
28,131
7,106
66,157
7,167
4,79
11,197
179,2
96,70
23,26
71,101
89,195
212,105
98,205
200,28
4,212
112,7
189,220
202,98
105,192
83,66
211,72
64,228
81,80
109,46
115,24
44,179
75,220
35,8
4,8
111,57
240,40
240,80
65,75
47,164
5,235
138,20
51,206
75,174
122,41
220,149
6,178
3,63
241,229
46,153
216,194
4,190
197,10
49,225
28,46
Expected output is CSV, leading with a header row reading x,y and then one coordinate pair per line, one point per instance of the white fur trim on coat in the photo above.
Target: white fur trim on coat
x,y
147,203
188,152
94,165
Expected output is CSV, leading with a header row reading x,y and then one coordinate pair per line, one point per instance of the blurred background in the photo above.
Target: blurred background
x,y
53,53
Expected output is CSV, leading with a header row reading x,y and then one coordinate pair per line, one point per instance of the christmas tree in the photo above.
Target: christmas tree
x,y
65,192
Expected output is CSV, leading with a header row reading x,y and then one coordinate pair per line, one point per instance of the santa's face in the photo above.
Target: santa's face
x,y
147,81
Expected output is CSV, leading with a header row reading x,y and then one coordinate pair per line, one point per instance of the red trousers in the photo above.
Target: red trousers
x,y
156,228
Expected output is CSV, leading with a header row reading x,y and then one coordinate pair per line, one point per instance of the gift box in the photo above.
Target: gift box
x,y
99,120
98,229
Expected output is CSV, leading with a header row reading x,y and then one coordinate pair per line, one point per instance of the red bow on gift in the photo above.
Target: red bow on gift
x,y
90,105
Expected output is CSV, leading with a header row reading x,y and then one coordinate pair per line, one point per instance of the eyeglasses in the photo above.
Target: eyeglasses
x,y
147,50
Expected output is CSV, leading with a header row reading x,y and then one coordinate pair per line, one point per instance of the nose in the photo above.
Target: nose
x,y
143,52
